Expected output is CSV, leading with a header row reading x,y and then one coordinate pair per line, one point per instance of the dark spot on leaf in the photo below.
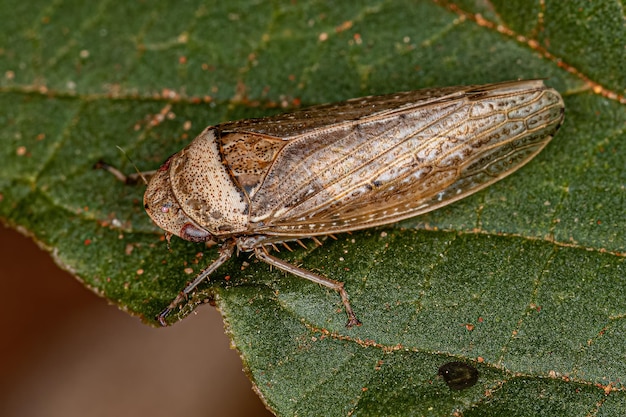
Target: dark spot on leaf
x,y
458,375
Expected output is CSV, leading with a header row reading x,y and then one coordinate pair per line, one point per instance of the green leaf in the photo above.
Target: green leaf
x,y
524,280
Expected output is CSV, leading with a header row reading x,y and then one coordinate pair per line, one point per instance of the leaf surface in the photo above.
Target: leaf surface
x,y
524,280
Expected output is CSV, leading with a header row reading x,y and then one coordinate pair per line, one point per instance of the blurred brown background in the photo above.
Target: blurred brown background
x,y
65,352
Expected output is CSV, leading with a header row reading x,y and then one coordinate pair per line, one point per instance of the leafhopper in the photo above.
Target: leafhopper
x,y
347,166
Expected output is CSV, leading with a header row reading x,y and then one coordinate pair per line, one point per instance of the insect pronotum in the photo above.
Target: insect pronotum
x,y
340,167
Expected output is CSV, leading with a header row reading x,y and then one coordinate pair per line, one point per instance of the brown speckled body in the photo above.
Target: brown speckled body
x,y
347,166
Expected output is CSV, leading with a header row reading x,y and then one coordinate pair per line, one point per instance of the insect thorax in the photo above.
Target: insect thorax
x,y
205,188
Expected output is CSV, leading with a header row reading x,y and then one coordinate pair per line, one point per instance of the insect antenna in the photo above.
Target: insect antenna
x,y
139,174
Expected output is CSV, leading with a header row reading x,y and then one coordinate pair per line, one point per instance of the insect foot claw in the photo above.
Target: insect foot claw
x,y
162,315
100,165
353,321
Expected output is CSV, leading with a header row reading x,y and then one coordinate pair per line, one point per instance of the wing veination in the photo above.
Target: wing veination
x,y
403,162
304,121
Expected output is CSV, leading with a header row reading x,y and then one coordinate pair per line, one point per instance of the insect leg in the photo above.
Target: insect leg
x,y
226,251
262,254
130,179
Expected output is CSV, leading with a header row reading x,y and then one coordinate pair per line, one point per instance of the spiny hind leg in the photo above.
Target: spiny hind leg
x,y
262,254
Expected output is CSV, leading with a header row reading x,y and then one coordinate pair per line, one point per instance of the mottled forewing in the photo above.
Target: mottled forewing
x,y
328,116
404,159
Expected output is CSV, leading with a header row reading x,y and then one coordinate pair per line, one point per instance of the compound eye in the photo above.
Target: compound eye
x,y
193,233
